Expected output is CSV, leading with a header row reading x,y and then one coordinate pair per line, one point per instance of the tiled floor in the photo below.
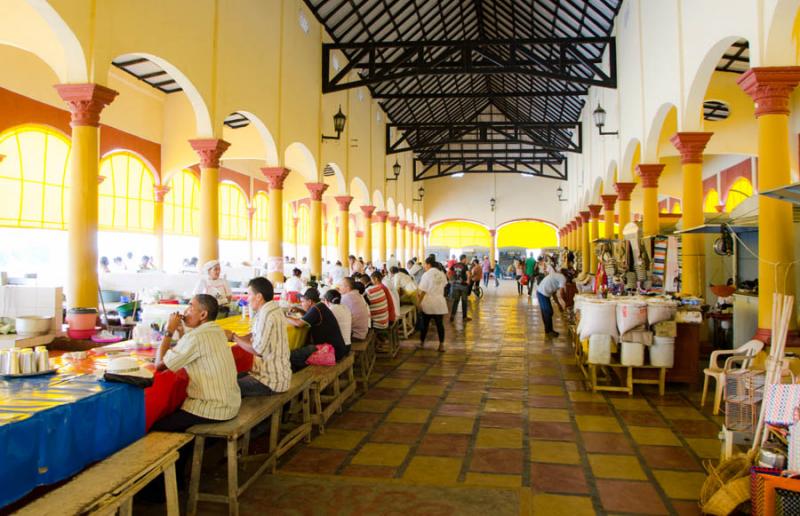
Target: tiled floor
x,y
506,409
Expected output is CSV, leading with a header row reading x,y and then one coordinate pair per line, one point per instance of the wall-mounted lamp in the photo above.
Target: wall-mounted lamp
x,y
492,203
599,116
395,171
560,192
339,120
421,193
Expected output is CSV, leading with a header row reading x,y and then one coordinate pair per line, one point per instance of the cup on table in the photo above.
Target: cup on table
x,y
13,362
42,358
27,361
4,358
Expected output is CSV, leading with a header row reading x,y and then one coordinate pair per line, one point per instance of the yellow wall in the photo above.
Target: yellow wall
x,y
527,234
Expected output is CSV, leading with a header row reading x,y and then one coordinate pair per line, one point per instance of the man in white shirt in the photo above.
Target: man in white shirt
x,y
213,394
547,288
405,286
295,283
337,273
387,282
268,342
415,270
359,309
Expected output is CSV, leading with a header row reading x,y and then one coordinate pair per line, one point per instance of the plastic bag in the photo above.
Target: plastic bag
x,y
324,356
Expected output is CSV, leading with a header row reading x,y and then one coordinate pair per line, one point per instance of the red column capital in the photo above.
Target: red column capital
x,y
85,101
344,201
691,145
359,234
403,224
381,215
578,221
2,157
210,150
275,176
393,221
624,190
160,191
649,172
411,226
609,200
585,216
316,190
100,179
594,210
251,211
367,210
770,87
295,221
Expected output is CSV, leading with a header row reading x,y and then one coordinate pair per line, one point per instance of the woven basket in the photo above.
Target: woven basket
x,y
729,497
723,290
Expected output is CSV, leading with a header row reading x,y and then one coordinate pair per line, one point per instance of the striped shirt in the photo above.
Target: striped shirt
x,y
213,392
270,340
378,306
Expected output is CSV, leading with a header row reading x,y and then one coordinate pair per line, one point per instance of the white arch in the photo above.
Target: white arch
x,y
338,179
359,191
390,207
270,150
401,213
691,119
377,200
415,219
650,149
624,173
597,187
408,217
298,158
609,176
779,41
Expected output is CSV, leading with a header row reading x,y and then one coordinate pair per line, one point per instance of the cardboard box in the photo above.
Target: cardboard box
x,y
640,335
666,329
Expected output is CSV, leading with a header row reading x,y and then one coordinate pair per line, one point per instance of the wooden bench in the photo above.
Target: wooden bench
x,y
329,390
110,484
408,319
364,359
253,411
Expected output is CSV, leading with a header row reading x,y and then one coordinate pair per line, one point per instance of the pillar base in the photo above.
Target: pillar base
x,y
765,336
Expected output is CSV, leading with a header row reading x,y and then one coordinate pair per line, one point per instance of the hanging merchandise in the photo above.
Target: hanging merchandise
x,y
659,261
672,276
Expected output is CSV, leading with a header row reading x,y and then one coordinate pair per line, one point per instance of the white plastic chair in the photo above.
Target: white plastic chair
x,y
747,350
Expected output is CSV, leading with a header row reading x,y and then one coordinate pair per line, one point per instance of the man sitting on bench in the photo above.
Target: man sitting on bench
x,y
213,394
323,328
268,342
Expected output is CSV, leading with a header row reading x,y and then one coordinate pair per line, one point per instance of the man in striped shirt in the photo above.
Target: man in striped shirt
x,y
213,394
268,342
381,305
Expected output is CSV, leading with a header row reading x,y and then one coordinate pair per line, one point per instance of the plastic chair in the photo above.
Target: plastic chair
x,y
747,350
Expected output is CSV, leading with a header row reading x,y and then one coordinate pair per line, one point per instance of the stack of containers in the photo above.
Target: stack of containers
x,y
631,317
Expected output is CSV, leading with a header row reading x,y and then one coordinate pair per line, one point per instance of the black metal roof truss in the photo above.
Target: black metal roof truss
x,y
552,168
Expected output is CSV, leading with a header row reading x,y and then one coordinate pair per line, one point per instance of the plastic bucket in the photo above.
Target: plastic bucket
x,y
662,352
632,354
82,318
600,349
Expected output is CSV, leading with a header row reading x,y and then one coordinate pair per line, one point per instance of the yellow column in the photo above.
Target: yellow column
x,y
493,248
608,215
251,211
296,238
594,233
275,177
344,227
409,242
315,231
401,242
367,210
585,247
770,88
209,150
624,191
420,243
360,243
380,227
85,102
391,239
650,172
691,146
159,192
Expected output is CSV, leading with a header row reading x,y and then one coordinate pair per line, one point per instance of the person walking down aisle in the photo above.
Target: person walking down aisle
x,y
519,272
547,288
431,301
530,272
486,268
498,272
459,274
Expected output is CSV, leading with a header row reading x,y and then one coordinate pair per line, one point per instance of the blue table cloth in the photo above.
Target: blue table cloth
x,y
52,427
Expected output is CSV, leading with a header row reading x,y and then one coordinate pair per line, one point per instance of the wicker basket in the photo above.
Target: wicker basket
x,y
729,497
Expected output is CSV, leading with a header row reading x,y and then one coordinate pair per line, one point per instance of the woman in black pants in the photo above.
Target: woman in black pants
x,y
432,303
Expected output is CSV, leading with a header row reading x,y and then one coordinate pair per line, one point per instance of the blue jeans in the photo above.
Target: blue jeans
x,y
547,311
485,279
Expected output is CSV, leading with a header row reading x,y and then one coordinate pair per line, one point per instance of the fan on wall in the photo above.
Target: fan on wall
x,y
723,245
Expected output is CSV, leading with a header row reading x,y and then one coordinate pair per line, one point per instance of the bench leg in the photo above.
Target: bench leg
x,y
318,407
233,479
246,444
274,431
662,379
307,412
194,480
171,488
126,508
337,392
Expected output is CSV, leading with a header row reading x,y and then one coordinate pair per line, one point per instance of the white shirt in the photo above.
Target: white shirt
x,y
344,318
337,274
551,283
293,284
404,282
387,282
433,283
217,288
270,340
213,392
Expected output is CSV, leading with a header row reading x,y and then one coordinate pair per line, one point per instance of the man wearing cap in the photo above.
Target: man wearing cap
x,y
210,283
213,394
267,341
546,289
323,327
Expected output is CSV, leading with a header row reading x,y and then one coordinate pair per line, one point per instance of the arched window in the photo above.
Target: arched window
x,y
303,225
527,234
288,224
711,202
33,177
676,207
182,205
459,234
126,197
233,216
740,190
260,228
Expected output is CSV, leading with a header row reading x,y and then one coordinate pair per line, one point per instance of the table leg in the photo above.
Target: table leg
x,y
194,479
233,479
171,488
126,508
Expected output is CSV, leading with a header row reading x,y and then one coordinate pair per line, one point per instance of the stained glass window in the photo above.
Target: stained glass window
x,y
126,195
182,204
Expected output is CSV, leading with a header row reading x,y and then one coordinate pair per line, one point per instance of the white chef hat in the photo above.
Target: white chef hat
x,y
210,265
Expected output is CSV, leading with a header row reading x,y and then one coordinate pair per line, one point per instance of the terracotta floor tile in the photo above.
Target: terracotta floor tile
x,y
497,461
507,406
686,508
681,413
408,415
400,433
454,409
395,383
551,431
630,496
377,393
616,466
544,380
371,405
602,442
705,448
555,452
358,470
642,418
546,390
669,457
591,409
680,485
696,428
351,420
491,480
427,390
420,402
505,394
587,396
543,503
556,478
451,425
499,438
380,454
597,424
501,420
433,470
631,404
315,460
444,445
338,439
546,402
653,436
466,398
548,414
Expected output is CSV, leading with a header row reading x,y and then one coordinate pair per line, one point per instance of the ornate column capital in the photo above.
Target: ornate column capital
x,y
381,215
691,145
393,221
160,191
251,211
295,221
402,224
578,221
609,200
210,150
720,208
411,226
770,87
344,201
86,102
367,210
649,172
2,157
624,190
275,176
594,210
316,190
585,216
100,180
359,234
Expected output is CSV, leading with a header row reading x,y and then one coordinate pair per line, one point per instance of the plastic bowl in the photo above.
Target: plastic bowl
x,y
82,334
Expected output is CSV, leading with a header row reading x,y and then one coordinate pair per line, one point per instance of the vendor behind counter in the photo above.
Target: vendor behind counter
x,y
210,283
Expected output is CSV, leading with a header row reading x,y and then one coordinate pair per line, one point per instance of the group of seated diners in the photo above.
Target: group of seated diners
x,y
344,314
